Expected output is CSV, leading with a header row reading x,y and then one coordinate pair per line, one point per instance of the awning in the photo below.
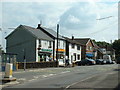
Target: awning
x,y
89,55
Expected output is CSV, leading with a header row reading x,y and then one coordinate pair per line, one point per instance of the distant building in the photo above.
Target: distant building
x,y
29,43
88,48
106,50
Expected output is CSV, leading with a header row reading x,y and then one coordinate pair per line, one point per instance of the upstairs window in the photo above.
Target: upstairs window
x,y
73,45
59,43
50,44
39,43
78,47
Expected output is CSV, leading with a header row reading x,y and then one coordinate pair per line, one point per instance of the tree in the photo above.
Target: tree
x,y
101,43
1,50
116,46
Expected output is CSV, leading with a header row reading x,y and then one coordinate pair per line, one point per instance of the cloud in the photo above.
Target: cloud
x,y
73,19
77,18
81,14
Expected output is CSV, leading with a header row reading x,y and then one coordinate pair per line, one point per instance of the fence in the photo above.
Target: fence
x,y
20,65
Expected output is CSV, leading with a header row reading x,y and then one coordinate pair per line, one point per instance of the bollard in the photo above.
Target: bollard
x,y
8,73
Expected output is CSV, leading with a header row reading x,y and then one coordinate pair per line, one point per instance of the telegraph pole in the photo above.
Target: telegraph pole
x,y
24,59
57,42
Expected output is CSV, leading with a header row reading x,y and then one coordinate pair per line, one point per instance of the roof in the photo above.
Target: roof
x,y
52,32
72,41
82,40
109,48
35,32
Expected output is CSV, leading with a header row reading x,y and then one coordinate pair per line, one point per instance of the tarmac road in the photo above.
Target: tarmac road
x,y
96,76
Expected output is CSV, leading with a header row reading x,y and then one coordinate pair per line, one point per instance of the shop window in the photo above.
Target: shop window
x,y
60,56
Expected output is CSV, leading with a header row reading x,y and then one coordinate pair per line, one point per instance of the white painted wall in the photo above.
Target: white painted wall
x,y
72,51
44,45
62,45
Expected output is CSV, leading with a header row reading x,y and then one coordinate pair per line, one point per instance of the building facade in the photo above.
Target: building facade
x,y
61,43
73,50
25,42
88,48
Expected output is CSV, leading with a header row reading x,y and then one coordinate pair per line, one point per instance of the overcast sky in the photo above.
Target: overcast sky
x,y
78,18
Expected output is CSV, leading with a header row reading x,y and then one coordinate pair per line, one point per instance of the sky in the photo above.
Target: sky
x,y
79,18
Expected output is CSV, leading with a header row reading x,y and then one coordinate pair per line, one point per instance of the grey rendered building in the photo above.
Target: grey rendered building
x,y
29,43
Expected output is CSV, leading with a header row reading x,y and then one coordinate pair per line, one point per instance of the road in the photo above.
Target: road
x,y
96,76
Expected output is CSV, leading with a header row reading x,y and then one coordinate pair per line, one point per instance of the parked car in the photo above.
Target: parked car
x,y
118,60
86,62
100,61
109,61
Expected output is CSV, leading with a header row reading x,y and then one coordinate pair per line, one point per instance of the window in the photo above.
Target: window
x,y
78,47
59,43
74,56
39,43
73,45
78,57
50,44
91,48
63,44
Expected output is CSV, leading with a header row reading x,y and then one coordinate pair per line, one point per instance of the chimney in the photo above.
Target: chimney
x,y
38,26
72,37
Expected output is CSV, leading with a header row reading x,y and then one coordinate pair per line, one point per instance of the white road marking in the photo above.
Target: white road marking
x,y
79,81
31,80
21,79
65,72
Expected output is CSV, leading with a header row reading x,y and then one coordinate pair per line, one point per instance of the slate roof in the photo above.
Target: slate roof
x,y
72,41
35,32
82,40
52,32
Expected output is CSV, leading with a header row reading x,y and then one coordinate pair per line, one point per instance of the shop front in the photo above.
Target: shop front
x,y
61,57
45,55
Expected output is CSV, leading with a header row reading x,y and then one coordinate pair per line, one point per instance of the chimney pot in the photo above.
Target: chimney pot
x,y
38,26
72,37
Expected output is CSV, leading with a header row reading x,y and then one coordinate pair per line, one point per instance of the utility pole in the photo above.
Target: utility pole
x,y
24,59
57,42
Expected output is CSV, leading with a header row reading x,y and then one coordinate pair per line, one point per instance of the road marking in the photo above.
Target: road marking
x,y
31,80
21,79
44,76
79,81
65,72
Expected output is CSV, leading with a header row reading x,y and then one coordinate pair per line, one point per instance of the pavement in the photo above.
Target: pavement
x,y
67,78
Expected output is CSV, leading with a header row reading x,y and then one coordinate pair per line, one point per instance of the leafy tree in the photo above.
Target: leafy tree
x,y
102,43
116,46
